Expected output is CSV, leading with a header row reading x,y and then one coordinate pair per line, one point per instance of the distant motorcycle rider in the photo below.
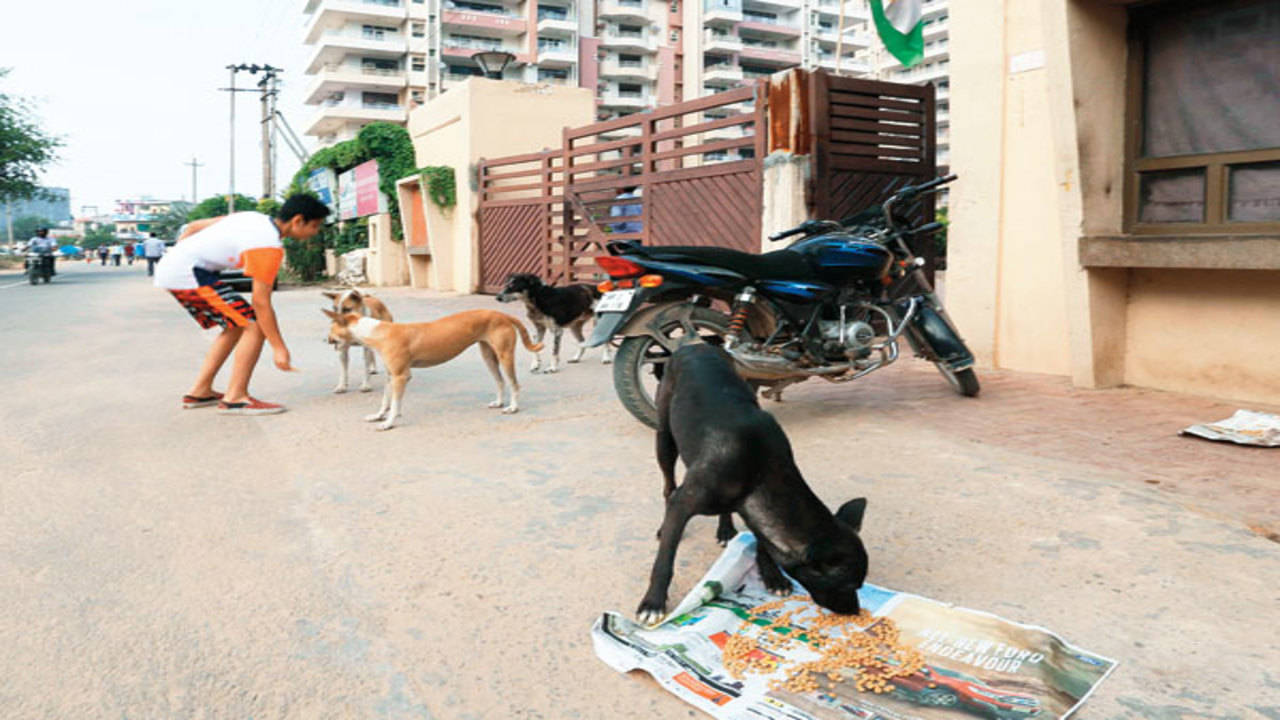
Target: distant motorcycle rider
x,y
45,246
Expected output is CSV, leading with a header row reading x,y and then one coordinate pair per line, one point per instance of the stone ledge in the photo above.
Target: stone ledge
x,y
1210,252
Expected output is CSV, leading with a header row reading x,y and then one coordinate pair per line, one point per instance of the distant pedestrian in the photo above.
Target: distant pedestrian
x,y
103,251
117,252
630,212
128,252
152,249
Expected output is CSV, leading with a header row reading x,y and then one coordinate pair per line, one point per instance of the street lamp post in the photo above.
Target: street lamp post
x,y
493,62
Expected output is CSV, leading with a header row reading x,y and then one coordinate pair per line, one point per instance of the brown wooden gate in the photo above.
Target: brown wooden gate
x,y
869,139
696,167
520,200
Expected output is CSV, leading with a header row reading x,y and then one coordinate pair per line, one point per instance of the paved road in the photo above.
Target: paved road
x,y
160,563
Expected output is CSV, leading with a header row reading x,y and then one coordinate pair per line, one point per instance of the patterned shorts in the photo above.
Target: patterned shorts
x,y
215,304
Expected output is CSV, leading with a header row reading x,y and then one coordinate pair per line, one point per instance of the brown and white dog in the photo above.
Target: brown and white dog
x,y
409,345
349,301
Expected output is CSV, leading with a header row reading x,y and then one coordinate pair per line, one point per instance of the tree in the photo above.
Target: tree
x,y
25,148
98,235
166,225
217,205
24,228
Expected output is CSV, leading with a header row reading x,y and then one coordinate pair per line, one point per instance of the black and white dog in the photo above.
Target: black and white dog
x,y
554,309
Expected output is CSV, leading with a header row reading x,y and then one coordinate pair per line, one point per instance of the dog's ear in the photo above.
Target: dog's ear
x,y
851,513
332,315
355,293
329,294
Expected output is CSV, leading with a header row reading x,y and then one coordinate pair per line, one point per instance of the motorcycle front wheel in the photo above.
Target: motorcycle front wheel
x,y
638,366
964,382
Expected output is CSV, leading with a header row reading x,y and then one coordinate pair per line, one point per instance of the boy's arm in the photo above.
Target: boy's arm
x,y
266,319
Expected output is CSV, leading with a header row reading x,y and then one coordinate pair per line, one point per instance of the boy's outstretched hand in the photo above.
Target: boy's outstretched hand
x,y
283,361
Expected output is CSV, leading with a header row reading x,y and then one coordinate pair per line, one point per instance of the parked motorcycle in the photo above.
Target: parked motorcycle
x,y
833,305
39,266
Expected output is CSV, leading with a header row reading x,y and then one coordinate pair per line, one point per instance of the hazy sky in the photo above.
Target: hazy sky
x,y
131,85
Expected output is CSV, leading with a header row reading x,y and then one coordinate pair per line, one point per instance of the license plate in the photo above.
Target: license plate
x,y
616,301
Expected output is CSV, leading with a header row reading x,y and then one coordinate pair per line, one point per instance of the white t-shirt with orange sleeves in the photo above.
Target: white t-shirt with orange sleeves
x,y
247,240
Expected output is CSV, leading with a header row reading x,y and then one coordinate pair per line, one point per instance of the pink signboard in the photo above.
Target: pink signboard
x,y
368,198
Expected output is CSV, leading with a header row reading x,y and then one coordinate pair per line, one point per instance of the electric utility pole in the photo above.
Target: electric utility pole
x,y
267,85
194,197
252,69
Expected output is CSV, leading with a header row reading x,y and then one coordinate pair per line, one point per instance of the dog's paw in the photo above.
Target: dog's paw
x,y
606,361
376,417
535,367
781,588
574,360
340,389
366,388
510,409
551,370
650,612
384,426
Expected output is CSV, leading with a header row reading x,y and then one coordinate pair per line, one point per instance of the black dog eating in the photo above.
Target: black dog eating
x,y
739,460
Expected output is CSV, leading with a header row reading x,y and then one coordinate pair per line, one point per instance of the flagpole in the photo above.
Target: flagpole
x,y
840,37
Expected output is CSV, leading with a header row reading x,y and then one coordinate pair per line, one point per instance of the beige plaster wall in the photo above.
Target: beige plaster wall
x,y
977,155
1207,332
484,118
1031,322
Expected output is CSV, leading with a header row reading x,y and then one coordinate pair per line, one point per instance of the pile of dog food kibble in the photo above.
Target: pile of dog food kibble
x,y
861,647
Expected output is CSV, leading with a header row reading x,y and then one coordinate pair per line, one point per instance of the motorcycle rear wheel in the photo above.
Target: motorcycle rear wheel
x,y
33,278
637,368
964,382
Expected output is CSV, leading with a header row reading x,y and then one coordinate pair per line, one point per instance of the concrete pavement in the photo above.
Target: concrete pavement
x,y
161,563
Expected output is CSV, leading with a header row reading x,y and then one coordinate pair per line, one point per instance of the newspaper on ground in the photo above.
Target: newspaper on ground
x,y
976,665
1246,427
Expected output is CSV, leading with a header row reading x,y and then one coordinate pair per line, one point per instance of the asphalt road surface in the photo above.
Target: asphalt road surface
x,y
162,563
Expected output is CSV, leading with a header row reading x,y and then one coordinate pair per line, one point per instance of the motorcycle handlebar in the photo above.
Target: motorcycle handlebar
x,y
784,234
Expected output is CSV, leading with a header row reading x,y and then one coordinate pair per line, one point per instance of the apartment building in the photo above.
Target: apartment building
x,y
934,68
375,59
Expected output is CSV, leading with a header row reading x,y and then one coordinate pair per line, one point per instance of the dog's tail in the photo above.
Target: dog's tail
x,y
529,344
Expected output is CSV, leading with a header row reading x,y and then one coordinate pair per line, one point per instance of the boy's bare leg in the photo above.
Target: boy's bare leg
x,y
213,360
247,352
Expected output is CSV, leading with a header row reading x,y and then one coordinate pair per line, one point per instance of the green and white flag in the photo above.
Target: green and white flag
x,y
898,22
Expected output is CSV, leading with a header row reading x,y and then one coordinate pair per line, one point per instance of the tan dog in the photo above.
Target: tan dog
x,y
349,301
409,345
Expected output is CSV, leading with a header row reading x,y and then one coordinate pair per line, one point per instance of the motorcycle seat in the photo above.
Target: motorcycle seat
x,y
776,265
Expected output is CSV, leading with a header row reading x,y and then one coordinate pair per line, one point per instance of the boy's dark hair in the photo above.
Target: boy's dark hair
x,y
308,206
153,234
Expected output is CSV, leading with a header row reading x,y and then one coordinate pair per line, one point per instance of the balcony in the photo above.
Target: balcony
x,y
720,111
722,44
496,23
722,16
624,10
625,101
774,27
775,4
853,13
850,65
636,42
936,30
614,68
779,57
461,49
722,75
331,46
933,8
557,56
733,132
554,24
335,78
852,40
332,117
333,14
